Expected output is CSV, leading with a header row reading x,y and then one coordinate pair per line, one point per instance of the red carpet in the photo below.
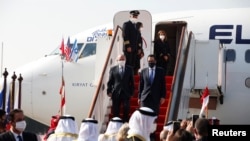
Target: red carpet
x,y
163,109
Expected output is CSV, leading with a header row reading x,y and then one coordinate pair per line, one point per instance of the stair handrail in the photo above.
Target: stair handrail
x,y
103,71
100,85
179,72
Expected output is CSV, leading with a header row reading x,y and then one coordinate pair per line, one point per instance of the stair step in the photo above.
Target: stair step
x,y
163,108
168,86
136,78
168,79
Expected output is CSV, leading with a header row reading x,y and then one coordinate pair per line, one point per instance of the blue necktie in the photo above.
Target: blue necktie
x,y
19,138
151,77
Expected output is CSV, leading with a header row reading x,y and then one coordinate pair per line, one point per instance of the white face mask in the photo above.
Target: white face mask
x,y
21,125
162,37
121,63
133,20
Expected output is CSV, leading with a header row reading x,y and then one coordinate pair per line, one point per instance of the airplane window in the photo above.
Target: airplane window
x,y
247,82
230,55
247,56
79,46
90,49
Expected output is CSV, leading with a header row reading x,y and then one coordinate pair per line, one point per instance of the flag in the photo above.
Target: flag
x,y
62,93
67,50
62,48
204,100
1,99
74,52
8,104
8,98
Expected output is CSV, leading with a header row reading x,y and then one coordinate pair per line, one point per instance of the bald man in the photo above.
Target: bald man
x,y
121,87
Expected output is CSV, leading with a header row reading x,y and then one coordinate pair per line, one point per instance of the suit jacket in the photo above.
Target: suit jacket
x,y
27,136
117,84
131,36
150,94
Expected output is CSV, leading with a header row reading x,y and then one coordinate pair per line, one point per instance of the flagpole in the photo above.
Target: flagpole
x,y
206,108
62,112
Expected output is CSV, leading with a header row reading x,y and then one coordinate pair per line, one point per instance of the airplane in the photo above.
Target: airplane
x,y
212,49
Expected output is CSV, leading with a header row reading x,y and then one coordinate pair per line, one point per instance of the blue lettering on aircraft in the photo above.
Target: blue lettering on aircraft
x,y
98,33
82,84
225,34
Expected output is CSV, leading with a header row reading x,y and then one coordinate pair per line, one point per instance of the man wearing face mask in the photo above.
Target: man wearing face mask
x,y
18,125
131,36
152,89
120,87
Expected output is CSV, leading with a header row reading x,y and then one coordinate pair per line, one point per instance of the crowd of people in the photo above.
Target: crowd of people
x,y
187,131
140,126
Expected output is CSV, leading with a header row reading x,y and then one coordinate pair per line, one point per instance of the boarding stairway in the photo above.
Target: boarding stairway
x,y
101,105
134,104
179,86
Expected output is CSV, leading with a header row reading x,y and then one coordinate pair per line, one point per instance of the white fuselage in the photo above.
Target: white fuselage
x,y
42,78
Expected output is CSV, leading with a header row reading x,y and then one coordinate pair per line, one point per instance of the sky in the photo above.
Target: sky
x,y
30,29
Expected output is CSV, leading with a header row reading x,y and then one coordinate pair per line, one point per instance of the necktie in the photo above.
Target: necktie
x,y
151,77
19,138
135,25
121,71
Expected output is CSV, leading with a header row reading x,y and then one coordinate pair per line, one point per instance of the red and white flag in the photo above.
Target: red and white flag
x,y
62,48
62,93
204,100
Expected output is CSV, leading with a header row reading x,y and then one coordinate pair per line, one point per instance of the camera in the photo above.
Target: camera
x,y
194,118
176,126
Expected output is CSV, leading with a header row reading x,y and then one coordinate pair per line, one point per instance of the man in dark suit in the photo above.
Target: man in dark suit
x,y
120,87
2,121
18,125
152,89
132,41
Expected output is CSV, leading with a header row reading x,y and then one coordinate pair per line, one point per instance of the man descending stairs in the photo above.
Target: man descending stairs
x,y
163,108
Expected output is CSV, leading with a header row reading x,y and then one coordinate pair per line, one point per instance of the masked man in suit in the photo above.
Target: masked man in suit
x,y
120,87
152,89
18,125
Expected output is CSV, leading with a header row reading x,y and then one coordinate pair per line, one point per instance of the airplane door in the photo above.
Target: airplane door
x,y
146,19
206,62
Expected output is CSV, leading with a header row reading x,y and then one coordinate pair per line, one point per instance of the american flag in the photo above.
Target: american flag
x,y
67,50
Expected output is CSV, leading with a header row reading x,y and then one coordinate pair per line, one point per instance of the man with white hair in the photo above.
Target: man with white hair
x,y
88,130
113,127
66,129
142,124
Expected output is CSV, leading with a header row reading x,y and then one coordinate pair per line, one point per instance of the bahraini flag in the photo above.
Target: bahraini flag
x,y
204,100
